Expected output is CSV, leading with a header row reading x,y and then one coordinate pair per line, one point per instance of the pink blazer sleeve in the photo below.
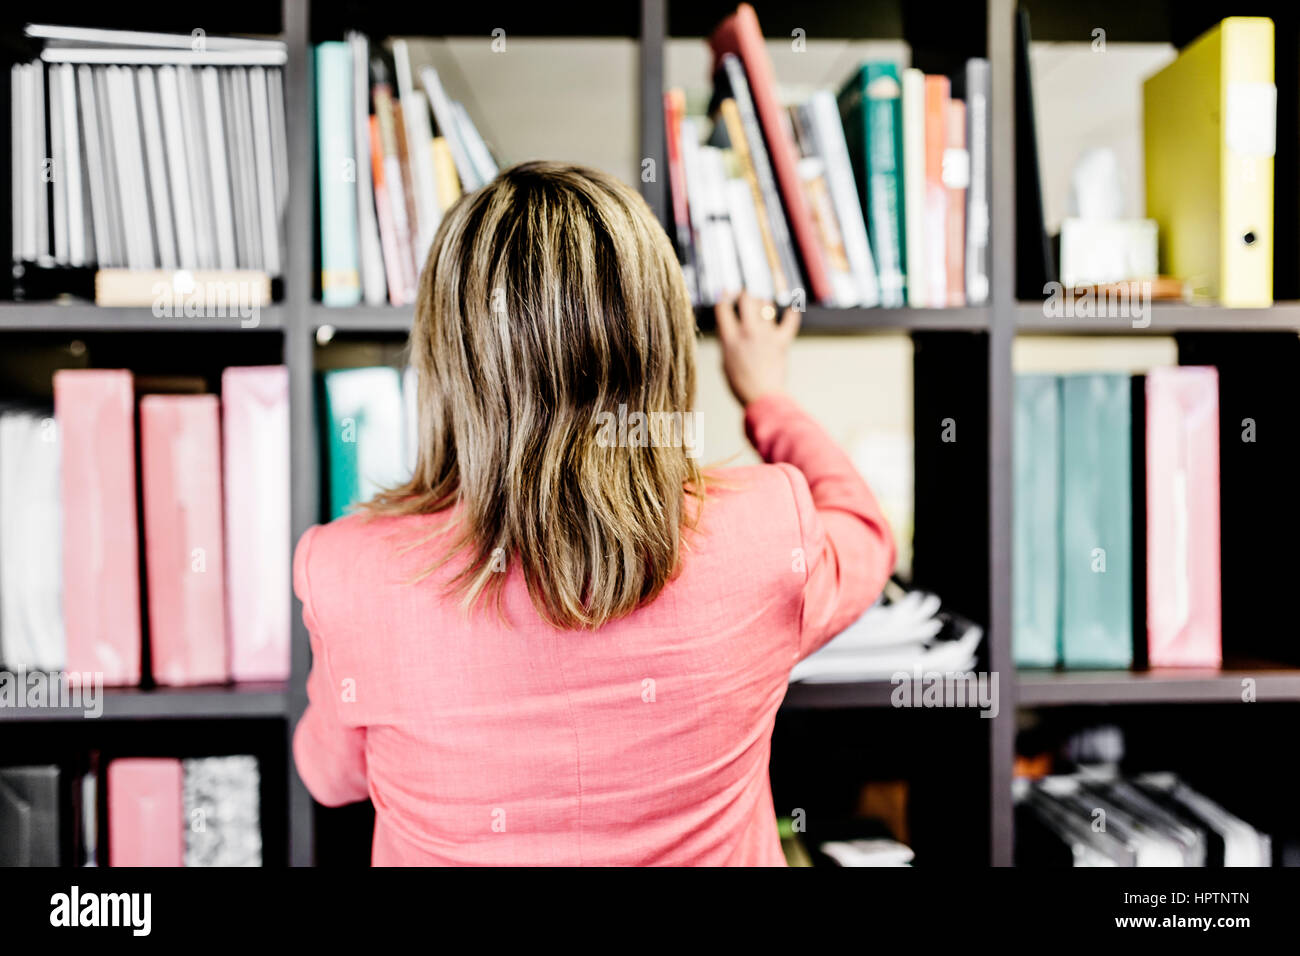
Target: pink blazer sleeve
x,y
330,755
847,545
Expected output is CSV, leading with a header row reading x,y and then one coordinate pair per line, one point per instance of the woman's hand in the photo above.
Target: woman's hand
x,y
754,346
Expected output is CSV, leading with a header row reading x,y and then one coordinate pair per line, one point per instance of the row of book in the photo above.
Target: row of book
x,y
1154,819
1117,513
213,488
879,196
148,151
160,812
393,158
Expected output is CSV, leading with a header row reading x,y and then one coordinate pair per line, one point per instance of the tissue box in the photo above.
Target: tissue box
x,y
1101,251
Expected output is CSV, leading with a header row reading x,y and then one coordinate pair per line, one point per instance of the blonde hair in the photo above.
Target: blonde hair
x,y
550,298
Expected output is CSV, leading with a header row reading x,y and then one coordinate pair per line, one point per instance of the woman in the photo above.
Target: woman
x,y
559,642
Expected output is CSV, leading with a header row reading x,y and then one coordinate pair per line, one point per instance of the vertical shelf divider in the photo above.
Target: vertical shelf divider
x,y
298,355
1002,735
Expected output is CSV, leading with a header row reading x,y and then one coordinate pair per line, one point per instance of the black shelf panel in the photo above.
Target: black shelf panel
x,y
58,316
838,696
1067,688
171,703
1166,318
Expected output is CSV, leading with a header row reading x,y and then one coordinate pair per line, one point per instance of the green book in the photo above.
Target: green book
x,y
1036,523
871,108
363,434
340,272
1097,521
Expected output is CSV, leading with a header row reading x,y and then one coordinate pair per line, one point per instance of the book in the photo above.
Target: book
x,y
340,269
823,124
418,133
914,188
977,195
1182,517
180,478
363,434
871,109
31,609
374,286
1036,522
1210,131
145,822
741,35
392,253
449,130
95,412
444,168
1097,503
937,89
956,179
31,811
255,467
236,291
221,797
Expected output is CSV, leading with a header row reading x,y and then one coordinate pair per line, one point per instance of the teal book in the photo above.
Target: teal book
x,y
871,109
364,434
340,275
1097,521
1036,523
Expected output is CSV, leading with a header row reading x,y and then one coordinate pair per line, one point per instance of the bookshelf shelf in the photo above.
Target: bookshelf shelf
x,y
134,703
837,696
1192,686
1165,319
47,316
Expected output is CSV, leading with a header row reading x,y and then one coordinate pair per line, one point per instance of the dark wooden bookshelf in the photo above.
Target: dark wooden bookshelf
x,y
963,367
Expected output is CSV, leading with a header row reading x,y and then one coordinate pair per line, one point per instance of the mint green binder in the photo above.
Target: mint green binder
x,y
871,108
1036,523
340,271
1097,518
363,434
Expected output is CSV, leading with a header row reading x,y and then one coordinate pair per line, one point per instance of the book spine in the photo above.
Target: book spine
x,y
977,196
1036,522
340,275
673,107
180,478
145,825
828,137
385,111
1182,513
936,196
956,179
882,121
914,189
255,462
384,213
95,411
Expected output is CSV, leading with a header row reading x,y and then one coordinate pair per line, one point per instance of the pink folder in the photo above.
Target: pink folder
x,y
1183,585
180,456
146,825
255,433
95,410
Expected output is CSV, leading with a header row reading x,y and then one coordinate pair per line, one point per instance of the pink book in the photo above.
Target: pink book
x,y
146,825
1183,585
255,436
180,462
95,410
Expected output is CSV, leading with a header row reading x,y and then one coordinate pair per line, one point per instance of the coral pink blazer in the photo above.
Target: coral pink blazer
x,y
645,742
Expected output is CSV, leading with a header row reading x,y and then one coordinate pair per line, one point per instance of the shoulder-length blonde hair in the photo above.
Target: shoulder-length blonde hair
x,y
552,300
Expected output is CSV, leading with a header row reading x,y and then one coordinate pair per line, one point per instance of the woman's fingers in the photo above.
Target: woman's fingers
x,y
724,314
